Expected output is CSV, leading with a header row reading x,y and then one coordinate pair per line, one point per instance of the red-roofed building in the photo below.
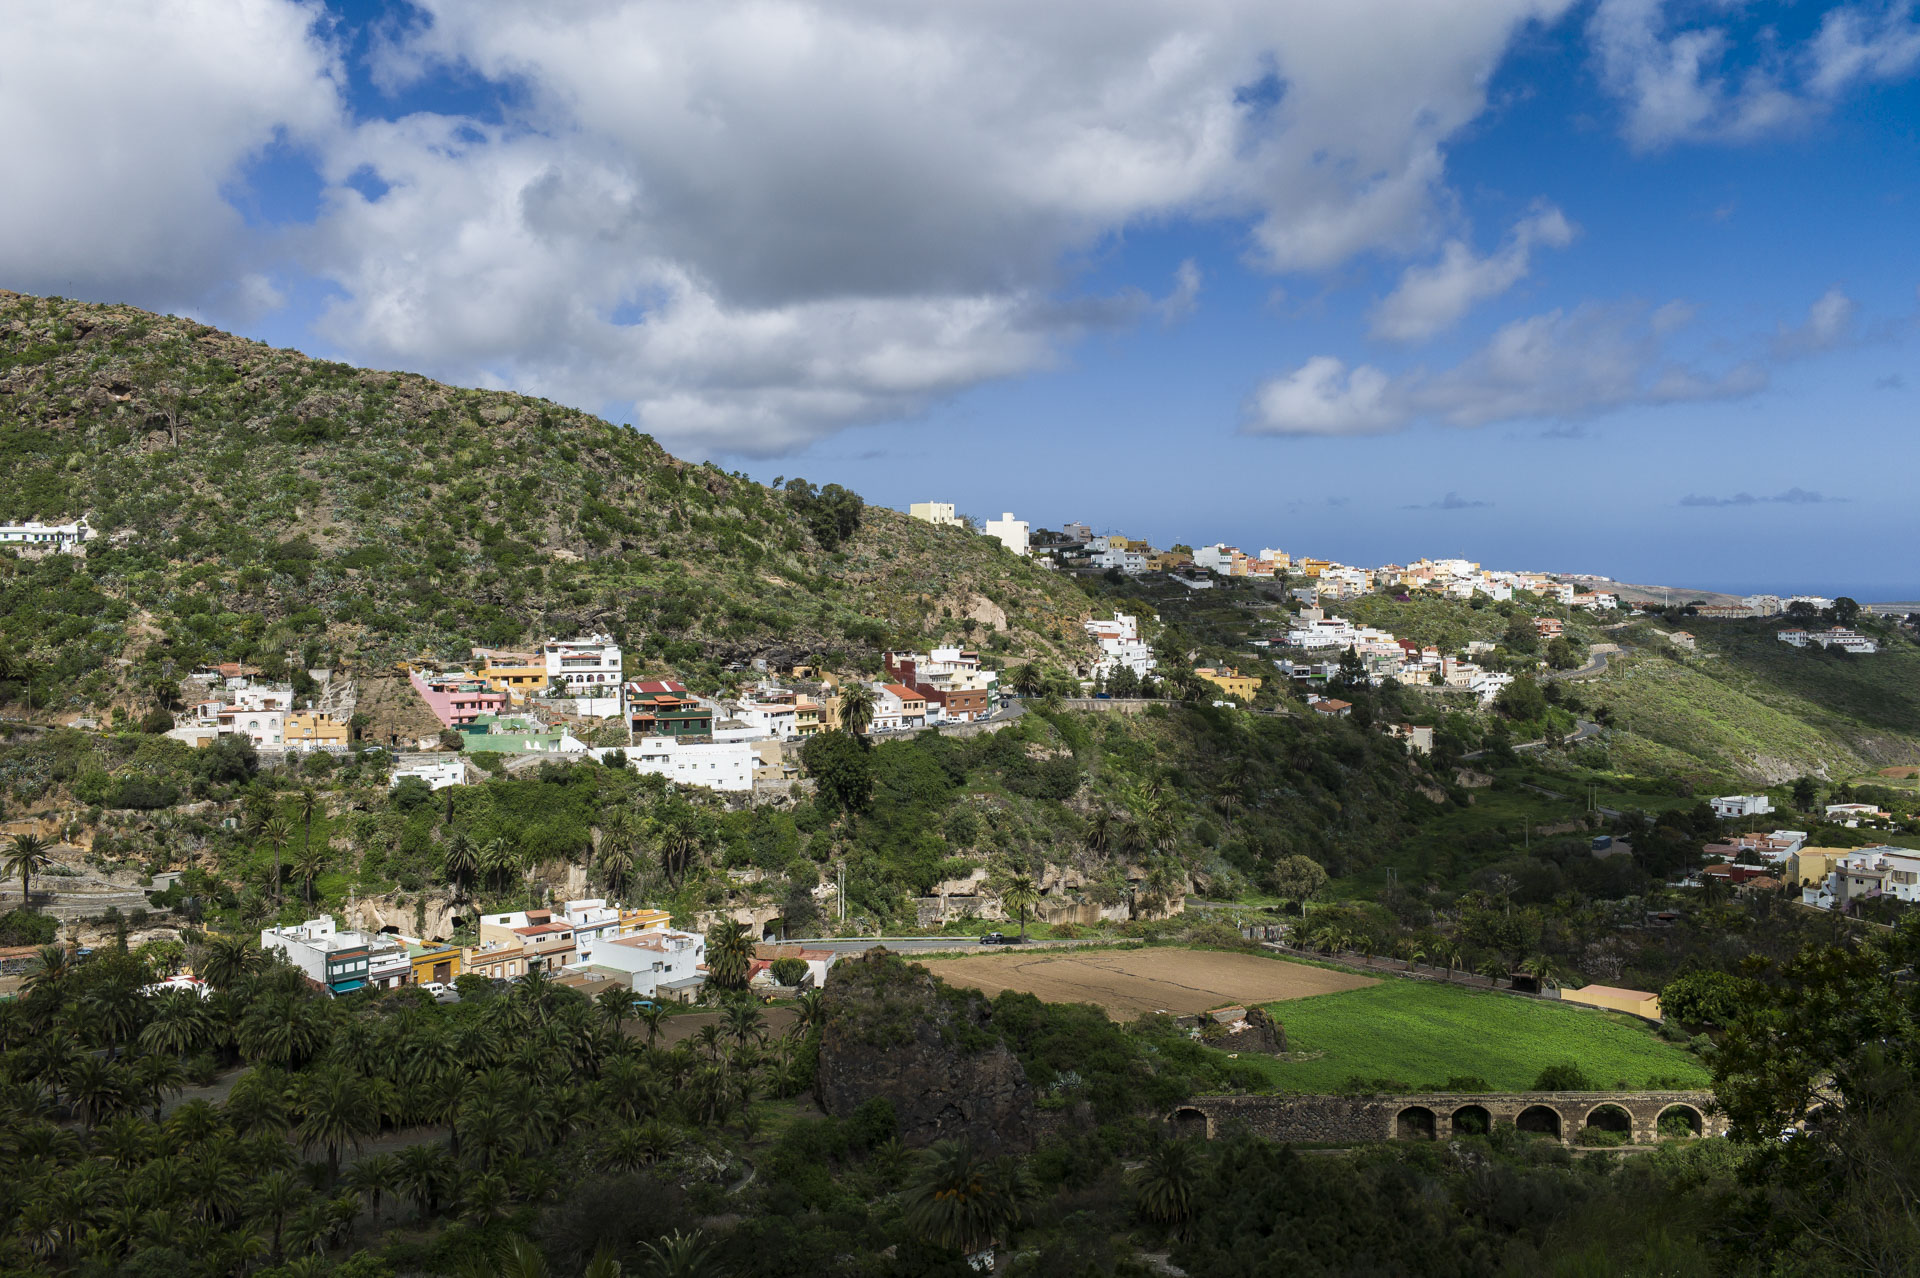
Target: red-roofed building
x,y
898,708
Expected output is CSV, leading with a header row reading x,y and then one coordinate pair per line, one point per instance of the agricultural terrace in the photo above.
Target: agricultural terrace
x,y
1129,982
1423,1034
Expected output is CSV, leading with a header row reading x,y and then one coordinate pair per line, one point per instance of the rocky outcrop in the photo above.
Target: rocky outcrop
x,y
892,1031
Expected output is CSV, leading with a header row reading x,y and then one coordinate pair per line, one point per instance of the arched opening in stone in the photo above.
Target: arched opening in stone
x,y
1415,1122
1539,1120
1472,1120
1680,1122
1190,1122
1607,1125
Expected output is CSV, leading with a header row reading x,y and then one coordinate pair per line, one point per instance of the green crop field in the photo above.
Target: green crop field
x,y
1422,1034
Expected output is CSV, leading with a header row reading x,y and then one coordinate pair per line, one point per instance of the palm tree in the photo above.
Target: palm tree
x,y
336,1113
497,858
307,864
1411,951
807,1012
28,855
745,1021
1492,968
1543,970
277,832
1453,952
276,1196
1164,1186
229,959
965,1201
857,704
374,1176
729,955
1021,892
52,971
305,806
652,1018
681,1255
463,860
424,1172
1028,680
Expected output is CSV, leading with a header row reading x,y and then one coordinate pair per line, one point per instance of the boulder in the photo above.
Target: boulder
x,y
892,1030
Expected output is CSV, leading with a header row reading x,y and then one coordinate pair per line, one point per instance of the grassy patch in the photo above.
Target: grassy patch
x,y
1423,1034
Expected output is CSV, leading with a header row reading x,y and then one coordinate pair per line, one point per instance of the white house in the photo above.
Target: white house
x,y
1854,813
339,961
1867,873
725,766
34,535
1729,806
437,773
1120,646
1131,562
588,670
1488,684
655,964
1011,532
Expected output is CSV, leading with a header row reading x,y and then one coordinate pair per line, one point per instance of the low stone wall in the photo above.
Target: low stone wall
x,y
1114,705
1442,1115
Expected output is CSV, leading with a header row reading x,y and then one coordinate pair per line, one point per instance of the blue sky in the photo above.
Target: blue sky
x,y
1621,286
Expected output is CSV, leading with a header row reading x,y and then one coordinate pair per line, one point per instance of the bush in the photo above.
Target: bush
x,y
789,971
27,927
1563,1078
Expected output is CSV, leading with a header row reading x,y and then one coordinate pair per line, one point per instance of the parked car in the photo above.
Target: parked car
x,y
1601,842
999,938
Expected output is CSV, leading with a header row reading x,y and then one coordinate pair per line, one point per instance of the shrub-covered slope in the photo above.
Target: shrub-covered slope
x,y
259,502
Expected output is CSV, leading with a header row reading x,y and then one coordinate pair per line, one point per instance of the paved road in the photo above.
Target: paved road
x,y
1596,663
1584,729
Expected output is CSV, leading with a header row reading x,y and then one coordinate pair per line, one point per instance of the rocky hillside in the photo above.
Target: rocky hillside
x,y
259,505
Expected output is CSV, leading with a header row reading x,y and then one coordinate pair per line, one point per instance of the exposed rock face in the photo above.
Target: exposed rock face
x,y
892,1030
1262,1034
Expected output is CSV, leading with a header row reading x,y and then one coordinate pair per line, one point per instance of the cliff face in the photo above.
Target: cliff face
x,y
892,1030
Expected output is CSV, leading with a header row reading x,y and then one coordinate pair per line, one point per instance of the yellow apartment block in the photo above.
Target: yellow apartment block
x,y
311,730
1231,681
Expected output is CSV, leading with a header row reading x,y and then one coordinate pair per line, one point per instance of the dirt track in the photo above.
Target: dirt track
x,y
1128,982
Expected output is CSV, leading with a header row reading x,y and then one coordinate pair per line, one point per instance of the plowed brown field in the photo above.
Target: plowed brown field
x,y
1129,982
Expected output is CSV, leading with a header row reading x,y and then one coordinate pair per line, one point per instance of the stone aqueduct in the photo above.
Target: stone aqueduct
x,y
1442,1115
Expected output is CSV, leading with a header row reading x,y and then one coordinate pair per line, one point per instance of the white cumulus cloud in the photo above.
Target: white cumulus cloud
x,y
1682,79
1431,299
1561,366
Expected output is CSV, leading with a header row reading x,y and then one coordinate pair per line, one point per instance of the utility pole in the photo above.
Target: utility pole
x,y
842,868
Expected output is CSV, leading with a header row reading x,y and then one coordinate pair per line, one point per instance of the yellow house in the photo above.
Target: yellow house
x,y
517,674
1231,681
1314,567
638,920
1632,1002
1809,867
807,718
312,730
432,961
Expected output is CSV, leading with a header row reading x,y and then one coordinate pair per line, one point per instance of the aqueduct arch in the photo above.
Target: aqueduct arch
x,y
1416,1122
1541,1120
1472,1120
1681,1115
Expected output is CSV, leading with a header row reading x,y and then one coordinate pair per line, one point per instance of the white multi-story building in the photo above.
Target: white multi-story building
x,y
655,964
36,536
1731,806
1867,873
588,667
777,719
1120,646
938,513
339,961
1011,532
725,766
1488,684
1765,605
1131,562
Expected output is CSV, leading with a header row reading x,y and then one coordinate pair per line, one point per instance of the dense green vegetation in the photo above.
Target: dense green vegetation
x,y
255,504
1417,1035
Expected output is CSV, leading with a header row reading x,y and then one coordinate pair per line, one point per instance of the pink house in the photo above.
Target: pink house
x,y
455,701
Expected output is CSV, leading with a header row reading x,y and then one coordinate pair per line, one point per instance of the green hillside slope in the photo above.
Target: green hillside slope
x,y
261,503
